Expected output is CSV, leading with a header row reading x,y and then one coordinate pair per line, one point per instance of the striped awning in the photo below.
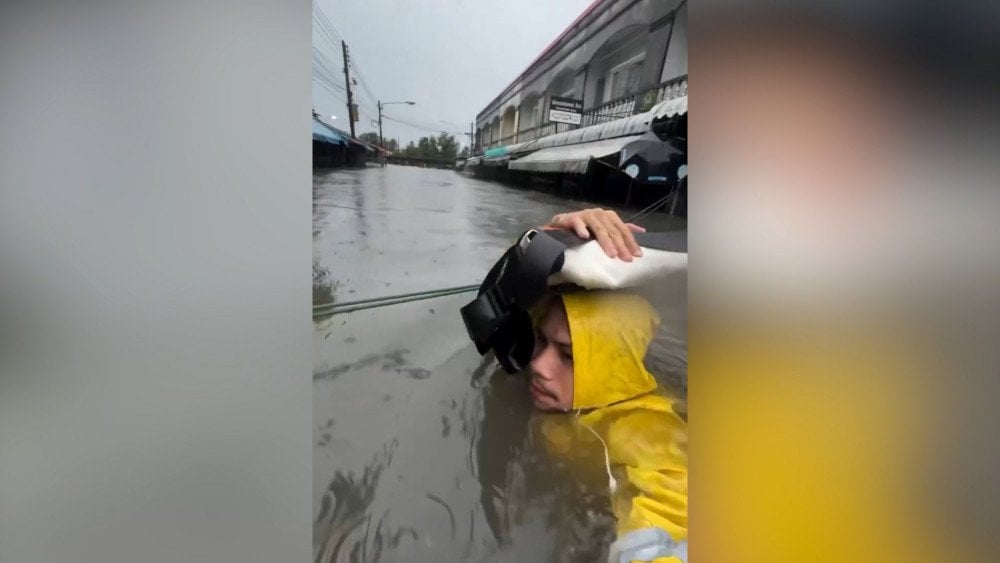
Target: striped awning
x,y
670,108
573,159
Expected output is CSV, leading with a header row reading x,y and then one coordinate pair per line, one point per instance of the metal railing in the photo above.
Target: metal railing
x,y
619,108
632,104
610,111
536,132
671,89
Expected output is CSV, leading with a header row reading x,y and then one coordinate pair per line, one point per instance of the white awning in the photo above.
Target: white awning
x,y
496,161
572,159
670,108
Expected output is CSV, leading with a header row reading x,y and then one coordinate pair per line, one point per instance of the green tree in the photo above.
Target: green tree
x,y
441,147
427,148
370,137
447,147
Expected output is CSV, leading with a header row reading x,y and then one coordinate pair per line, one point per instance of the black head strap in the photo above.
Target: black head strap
x,y
515,282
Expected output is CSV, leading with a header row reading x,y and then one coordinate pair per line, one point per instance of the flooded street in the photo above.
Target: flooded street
x,y
423,449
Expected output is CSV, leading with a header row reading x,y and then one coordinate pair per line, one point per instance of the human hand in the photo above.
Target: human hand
x,y
614,235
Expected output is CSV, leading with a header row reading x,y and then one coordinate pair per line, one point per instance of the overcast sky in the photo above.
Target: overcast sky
x,y
451,57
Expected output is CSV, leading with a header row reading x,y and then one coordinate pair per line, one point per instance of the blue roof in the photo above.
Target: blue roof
x,y
325,133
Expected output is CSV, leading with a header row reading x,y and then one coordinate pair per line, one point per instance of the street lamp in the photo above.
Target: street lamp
x,y
380,104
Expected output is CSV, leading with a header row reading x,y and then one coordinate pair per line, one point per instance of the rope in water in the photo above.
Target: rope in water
x,y
325,309
329,309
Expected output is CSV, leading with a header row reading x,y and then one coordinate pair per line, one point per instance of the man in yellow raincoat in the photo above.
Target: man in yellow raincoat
x,y
588,366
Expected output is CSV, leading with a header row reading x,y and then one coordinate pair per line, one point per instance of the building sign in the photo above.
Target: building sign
x,y
565,110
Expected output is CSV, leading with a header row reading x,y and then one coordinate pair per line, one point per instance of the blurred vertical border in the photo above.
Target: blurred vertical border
x,y
155,252
843,274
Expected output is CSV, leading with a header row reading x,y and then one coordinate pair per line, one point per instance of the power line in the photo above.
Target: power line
x,y
324,34
323,66
325,26
368,101
422,127
327,84
319,14
328,80
324,63
364,83
426,125
327,88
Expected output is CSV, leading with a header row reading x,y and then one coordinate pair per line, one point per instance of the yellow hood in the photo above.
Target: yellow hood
x,y
625,416
611,331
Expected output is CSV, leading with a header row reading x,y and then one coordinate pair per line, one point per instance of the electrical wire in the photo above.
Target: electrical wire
x,y
612,482
334,308
325,26
321,61
329,83
423,127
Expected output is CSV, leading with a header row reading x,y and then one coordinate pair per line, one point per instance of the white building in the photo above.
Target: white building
x,y
620,57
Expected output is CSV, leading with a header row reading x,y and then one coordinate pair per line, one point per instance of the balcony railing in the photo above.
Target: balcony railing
x,y
536,132
671,89
632,104
618,108
610,111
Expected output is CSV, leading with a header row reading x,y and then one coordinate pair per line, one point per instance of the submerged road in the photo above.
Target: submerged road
x,y
419,451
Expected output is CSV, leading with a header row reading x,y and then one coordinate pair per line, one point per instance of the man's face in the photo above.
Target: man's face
x,y
551,366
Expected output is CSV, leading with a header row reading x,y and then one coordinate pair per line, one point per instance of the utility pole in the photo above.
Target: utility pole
x,y
381,141
380,104
350,95
472,137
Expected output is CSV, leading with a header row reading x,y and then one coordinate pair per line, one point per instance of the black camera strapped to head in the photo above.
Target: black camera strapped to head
x,y
498,320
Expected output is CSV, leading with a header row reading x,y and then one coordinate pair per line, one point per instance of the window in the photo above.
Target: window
x,y
616,83
632,78
623,79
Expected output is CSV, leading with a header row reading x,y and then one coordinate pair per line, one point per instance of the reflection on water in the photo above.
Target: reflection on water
x,y
343,517
424,451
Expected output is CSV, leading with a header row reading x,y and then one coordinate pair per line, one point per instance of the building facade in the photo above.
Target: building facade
x,y
620,58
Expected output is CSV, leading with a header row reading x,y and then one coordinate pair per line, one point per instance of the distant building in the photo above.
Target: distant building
x,y
619,58
333,147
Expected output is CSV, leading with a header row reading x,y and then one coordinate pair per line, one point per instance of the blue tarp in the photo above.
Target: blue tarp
x,y
321,132
495,152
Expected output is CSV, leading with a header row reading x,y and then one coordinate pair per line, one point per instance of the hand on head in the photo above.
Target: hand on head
x,y
614,235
